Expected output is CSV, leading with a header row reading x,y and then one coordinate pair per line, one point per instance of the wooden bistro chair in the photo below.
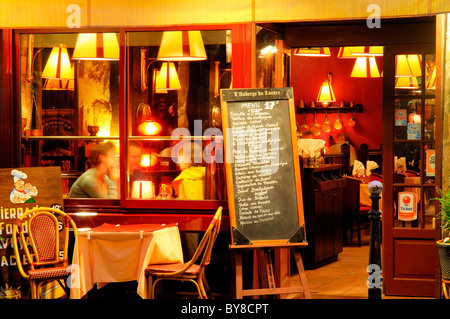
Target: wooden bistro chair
x,y
43,233
189,271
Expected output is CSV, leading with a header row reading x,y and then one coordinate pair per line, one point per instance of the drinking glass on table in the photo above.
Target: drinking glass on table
x,y
165,191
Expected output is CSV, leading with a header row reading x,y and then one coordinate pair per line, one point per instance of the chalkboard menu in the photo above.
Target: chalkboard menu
x,y
262,166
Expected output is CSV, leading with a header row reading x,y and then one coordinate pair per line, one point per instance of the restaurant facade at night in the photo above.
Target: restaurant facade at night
x,y
77,74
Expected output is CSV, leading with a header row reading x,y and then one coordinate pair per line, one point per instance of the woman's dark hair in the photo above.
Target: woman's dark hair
x,y
100,149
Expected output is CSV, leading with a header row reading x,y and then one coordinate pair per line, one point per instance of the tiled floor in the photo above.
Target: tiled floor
x,y
342,279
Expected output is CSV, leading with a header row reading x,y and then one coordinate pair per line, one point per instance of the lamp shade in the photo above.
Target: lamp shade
x,y
182,46
316,51
149,128
365,68
58,84
406,83
367,51
326,94
96,46
167,78
431,85
346,53
408,65
58,65
415,64
143,189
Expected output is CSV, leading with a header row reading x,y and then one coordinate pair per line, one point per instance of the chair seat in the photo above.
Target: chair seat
x,y
55,272
168,268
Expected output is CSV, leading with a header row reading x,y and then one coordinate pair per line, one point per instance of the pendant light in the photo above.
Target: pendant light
x,y
367,51
181,46
58,64
407,83
96,46
313,52
365,68
345,53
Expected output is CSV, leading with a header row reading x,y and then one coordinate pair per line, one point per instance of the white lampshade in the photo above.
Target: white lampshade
x,y
143,189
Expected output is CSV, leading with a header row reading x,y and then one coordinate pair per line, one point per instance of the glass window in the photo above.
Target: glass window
x,y
169,99
266,49
69,97
408,119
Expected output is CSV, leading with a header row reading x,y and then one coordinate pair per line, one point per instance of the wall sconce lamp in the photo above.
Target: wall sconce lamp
x,y
148,126
166,78
148,160
326,94
57,67
218,77
96,46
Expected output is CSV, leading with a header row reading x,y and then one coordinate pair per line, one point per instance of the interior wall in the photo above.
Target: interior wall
x,y
307,74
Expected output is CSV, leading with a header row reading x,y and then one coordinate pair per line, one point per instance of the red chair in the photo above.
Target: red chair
x,y
189,271
353,211
43,233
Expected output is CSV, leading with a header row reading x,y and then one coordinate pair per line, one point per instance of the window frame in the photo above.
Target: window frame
x,y
242,58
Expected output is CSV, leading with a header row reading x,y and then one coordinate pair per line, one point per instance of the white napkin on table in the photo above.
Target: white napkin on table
x,y
358,169
399,164
309,147
370,165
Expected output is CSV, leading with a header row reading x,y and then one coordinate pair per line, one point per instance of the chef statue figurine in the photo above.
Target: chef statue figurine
x,y
23,192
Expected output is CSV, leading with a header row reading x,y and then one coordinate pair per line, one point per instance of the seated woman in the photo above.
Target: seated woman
x,y
101,181
190,183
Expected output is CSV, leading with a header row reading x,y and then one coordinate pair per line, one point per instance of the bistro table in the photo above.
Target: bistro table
x,y
118,253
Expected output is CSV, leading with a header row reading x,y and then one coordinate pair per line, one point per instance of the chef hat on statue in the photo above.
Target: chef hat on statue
x,y
18,175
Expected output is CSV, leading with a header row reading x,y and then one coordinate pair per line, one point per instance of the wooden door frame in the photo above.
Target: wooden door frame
x,y
388,230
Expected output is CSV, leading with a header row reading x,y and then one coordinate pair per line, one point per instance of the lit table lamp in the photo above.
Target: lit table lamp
x,y
143,189
326,94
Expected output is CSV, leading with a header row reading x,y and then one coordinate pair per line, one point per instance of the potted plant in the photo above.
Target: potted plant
x,y
444,243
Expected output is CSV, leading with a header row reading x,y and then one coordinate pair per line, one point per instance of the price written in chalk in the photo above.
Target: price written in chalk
x,y
270,104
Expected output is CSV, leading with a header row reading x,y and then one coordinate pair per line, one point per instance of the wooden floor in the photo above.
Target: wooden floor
x,y
344,278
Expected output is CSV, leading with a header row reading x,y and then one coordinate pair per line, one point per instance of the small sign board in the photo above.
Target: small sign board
x,y
407,206
22,189
430,169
